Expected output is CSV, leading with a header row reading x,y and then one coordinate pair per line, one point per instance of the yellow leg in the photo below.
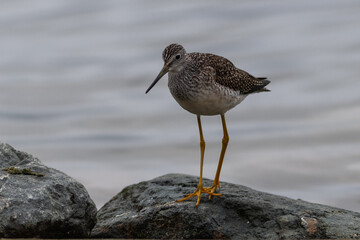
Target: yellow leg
x,y
225,141
200,189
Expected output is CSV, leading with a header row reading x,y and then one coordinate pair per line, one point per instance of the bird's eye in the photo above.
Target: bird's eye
x,y
177,56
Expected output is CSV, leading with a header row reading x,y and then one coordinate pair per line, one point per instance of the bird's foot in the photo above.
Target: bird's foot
x,y
199,190
213,188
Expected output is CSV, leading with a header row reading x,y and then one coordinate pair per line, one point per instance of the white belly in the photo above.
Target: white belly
x,y
211,103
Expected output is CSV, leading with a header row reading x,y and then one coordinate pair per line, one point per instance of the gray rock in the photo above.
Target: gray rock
x,y
148,210
38,201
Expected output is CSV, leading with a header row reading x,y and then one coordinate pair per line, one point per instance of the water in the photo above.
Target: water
x,y
73,76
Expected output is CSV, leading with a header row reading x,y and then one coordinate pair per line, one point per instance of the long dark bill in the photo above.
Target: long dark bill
x,y
163,71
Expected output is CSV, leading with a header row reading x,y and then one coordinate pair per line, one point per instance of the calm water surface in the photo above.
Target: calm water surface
x,y
73,76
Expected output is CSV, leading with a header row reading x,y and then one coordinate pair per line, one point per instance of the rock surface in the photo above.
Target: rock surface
x,y
148,210
38,201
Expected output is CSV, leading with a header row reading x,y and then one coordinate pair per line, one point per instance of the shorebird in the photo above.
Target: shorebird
x,y
206,84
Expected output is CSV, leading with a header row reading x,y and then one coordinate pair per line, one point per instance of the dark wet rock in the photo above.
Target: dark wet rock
x,y
148,210
38,201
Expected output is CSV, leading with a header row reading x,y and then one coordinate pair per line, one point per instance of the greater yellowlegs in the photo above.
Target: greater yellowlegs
x,y
206,84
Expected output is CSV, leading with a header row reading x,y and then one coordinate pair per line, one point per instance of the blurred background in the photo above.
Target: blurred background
x,y
73,76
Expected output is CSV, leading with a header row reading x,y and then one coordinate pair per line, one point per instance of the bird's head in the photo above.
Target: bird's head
x,y
174,57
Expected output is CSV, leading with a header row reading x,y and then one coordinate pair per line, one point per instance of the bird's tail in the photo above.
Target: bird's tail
x,y
264,83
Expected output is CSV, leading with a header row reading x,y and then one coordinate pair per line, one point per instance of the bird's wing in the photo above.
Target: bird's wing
x,y
230,76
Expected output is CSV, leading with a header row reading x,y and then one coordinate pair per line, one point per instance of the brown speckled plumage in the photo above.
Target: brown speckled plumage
x,y
204,83
226,73
230,76
171,50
